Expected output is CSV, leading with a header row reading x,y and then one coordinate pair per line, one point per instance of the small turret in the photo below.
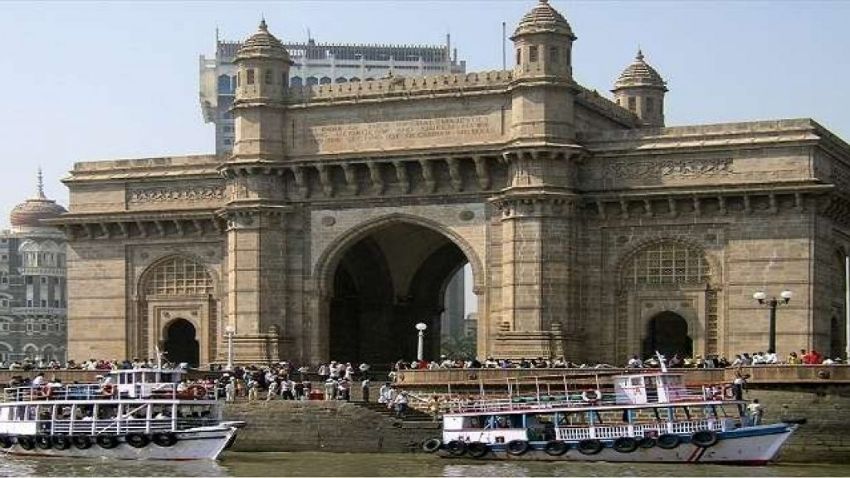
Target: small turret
x,y
543,43
641,89
263,67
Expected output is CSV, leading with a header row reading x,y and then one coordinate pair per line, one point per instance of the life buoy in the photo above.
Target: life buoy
x,y
668,441
517,447
197,392
728,392
44,442
61,442
477,449
625,444
704,438
591,396
6,441
556,448
137,440
107,390
107,442
589,446
26,442
81,442
431,445
456,447
165,439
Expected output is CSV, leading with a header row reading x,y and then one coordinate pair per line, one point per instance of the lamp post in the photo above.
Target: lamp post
x,y
229,332
420,349
772,303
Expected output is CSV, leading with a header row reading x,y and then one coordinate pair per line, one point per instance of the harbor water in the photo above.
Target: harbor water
x,y
389,464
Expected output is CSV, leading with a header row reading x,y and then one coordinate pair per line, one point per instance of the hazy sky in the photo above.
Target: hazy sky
x,y
100,80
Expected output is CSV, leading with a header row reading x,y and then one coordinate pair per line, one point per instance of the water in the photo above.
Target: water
x,y
334,464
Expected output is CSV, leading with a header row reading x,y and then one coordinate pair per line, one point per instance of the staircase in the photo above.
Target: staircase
x,y
411,416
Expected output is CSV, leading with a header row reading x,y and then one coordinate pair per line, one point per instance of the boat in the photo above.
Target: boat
x,y
651,417
132,414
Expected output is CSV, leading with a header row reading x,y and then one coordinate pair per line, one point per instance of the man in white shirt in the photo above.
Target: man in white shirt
x,y
38,381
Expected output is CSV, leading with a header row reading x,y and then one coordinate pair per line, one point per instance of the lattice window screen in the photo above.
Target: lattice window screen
x,y
667,263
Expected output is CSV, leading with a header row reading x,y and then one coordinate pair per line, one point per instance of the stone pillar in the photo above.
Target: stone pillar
x,y
256,281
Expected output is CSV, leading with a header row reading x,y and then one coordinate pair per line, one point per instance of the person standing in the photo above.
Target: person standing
x,y
756,411
364,387
230,391
330,389
253,388
383,393
273,386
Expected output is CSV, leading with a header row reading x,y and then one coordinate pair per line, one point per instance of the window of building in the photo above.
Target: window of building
x,y
553,54
532,54
44,327
325,81
4,302
296,81
29,326
4,279
650,105
29,279
44,280
55,280
518,56
267,77
5,257
179,276
250,78
223,84
312,80
568,56
3,240
44,302
667,263
29,302
632,103
56,304
228,142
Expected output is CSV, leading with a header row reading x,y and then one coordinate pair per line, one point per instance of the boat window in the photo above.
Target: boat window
x,y
473,422
637,381
165,378
123,378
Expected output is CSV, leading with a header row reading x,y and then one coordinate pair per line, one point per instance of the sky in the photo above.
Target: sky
x,y
104,80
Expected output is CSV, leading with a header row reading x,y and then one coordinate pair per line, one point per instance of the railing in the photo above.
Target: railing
x,y
606,432
161,391
118,425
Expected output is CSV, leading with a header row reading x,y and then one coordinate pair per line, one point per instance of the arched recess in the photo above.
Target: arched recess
x,y
667,333
667,276
6,351
181,342
380,279
174,287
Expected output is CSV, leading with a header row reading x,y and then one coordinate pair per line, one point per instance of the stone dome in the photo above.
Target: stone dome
x,y
30,212
262,44
544,19
639,73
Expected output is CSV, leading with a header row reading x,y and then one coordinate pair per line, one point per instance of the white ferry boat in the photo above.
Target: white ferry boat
x,y
651,417
130,414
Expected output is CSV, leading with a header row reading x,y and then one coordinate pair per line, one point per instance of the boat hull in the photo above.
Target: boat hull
x,y
757,445
197,444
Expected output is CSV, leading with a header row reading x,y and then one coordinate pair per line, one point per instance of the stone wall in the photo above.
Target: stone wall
x,y
330,426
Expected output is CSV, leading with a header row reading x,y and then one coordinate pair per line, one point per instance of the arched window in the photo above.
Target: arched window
x,y
354,79
312,80
342,79
666,263
325,81
519,56
224,84
267,77
178,276
296,81
250,78
532,53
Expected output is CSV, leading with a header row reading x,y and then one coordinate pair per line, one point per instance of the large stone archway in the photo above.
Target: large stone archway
x,y
181,342
379,283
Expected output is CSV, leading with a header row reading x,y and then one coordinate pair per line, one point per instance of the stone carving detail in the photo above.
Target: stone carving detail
x,y
174,194
673,168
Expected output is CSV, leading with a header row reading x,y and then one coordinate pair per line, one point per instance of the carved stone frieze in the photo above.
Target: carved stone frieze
x,y
651,169
183,193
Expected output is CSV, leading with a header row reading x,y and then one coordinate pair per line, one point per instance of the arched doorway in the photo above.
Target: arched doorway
x,y
180,343
667,333
383,284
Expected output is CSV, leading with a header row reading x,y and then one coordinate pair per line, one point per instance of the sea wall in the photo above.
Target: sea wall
x,y
331,426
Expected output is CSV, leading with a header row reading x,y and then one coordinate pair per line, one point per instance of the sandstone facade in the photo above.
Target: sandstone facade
x,y
592,231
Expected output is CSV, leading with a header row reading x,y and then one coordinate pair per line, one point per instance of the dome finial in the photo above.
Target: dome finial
x,y
544,1
263,25
40,184
639,55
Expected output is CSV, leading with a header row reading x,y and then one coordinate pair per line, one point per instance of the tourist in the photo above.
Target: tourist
x,y
384,392
794,359
330,389
756,411
400,403
434,407
230,390
286,389
344,390
253,389
739,384
272,392
364,387
634,362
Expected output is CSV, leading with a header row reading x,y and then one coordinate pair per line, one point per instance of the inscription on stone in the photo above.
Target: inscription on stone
x,y
399,134
175,194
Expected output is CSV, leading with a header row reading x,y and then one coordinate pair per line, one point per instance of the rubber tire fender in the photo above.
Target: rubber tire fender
x,y
61,442
107,442
137,440
82,442
556,448
477,449
517,447
625,444
165,439
456,447
590,446
668,441
6,441
647,442
704,438
27,442
431,445
44,442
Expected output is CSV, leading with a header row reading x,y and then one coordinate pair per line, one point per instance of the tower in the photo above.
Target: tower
x,y
641,89
543,44
262,82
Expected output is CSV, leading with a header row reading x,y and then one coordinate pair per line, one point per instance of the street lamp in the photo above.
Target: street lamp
x,y
229,332
420,349
761,297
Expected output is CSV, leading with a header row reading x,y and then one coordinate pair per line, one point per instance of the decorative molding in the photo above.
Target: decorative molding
x,y
190,193
640,169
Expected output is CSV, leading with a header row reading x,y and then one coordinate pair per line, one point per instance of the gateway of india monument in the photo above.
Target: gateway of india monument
x,y
592,230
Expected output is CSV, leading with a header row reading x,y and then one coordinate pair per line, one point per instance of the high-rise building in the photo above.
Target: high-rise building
x,y
33,300
317,64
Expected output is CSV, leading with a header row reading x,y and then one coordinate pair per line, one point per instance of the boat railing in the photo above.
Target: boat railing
x,y
164,391
605,432
114,426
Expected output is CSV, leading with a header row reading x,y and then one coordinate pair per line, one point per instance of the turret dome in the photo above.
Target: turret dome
x,y
544,19
639,73
262,44
30,212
